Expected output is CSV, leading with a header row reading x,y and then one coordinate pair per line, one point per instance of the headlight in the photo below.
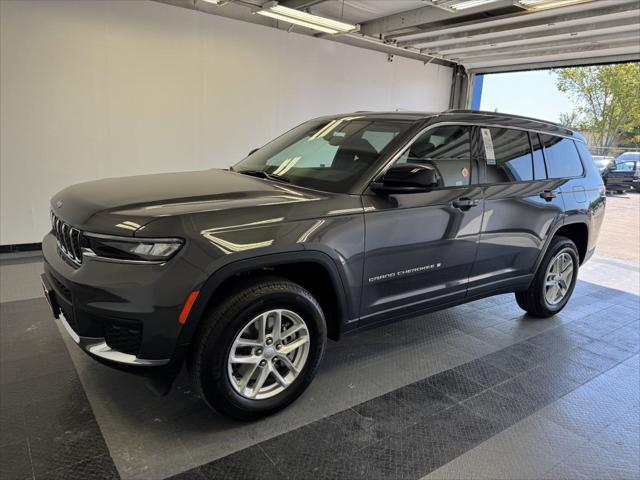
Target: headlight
x,y
144,250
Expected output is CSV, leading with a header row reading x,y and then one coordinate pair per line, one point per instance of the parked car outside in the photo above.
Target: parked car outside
x,y
624,173
603,163
342,223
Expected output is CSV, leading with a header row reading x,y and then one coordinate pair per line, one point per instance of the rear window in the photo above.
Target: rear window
x,y
562,157
513,161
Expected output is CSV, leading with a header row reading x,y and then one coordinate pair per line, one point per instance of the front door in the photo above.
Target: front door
x,y
419,247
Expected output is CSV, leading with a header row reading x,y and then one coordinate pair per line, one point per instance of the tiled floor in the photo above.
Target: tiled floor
x,y
477,391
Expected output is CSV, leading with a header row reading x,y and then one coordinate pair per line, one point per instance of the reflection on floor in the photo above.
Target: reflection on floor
x,y
477,391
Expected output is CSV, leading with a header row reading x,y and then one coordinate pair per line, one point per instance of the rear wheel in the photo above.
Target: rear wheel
x,y
554,281
259,350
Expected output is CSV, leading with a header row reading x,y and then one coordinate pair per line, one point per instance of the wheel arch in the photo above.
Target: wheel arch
x,y
576,231
313,270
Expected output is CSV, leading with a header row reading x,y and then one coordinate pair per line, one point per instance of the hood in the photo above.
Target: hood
x,y
124,205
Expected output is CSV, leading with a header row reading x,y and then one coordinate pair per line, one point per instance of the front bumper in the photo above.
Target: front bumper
x,y
123,315
94,346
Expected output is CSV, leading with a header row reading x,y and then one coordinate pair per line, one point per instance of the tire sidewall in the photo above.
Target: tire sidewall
x,y
562,246
214,376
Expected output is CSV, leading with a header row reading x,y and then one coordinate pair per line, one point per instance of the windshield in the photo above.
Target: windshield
x,y
324,155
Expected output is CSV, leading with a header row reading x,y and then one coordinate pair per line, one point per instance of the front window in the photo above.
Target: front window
x,y
447,150
324,155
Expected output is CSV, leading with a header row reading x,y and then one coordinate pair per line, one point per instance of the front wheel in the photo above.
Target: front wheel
x,y
259,350
554,281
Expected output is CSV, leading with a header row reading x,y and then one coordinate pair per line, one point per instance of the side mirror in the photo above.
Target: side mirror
x,y
407,178
253,151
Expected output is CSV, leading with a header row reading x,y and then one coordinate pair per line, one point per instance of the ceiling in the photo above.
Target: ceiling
x,y
495,35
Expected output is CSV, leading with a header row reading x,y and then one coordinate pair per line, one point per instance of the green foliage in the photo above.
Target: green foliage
x,y
607,99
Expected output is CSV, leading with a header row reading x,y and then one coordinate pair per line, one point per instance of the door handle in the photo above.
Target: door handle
x,y
465,203
548,195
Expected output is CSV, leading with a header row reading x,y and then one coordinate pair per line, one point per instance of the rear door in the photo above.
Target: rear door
x,y
420,246
522,205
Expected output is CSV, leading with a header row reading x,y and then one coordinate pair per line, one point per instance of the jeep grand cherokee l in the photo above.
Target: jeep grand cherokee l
x,y
339,224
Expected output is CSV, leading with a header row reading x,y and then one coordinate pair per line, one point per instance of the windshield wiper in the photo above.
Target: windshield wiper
x,y
263,174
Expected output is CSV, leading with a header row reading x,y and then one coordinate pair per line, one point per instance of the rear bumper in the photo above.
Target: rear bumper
x,y
125,316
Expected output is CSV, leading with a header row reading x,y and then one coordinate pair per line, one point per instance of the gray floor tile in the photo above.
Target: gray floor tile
x,y
455,385
483,373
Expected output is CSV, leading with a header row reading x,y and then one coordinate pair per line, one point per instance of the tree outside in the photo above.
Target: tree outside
x,y
607,105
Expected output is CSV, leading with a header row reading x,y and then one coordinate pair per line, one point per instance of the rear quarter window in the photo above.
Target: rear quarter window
x,y
562,157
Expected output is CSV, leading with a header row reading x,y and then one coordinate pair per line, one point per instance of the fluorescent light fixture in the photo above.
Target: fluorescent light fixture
x,y
316,22
277,16
457,5
546,4
470,4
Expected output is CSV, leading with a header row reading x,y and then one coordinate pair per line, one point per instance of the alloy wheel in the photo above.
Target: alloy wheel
x,y
558,279
268,354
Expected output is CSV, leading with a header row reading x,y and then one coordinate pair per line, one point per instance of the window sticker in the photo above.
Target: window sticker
x,y
489,154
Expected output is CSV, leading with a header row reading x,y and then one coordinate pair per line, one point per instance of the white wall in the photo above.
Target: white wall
x,y
93,89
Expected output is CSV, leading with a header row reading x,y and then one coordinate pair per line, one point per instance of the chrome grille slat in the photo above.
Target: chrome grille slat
x,y
68,239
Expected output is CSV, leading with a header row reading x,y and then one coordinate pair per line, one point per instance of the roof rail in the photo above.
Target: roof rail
x,y
510,115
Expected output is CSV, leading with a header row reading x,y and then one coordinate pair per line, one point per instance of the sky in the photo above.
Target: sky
x,y
533,94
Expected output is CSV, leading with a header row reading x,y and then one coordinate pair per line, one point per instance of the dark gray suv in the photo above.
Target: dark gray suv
x,y
339,224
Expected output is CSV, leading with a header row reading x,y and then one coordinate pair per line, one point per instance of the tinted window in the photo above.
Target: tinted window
x,y
447,150
539,171
513,160
327,155
562,157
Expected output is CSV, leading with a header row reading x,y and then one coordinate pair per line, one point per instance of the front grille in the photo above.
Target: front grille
x,y
124,337
68,239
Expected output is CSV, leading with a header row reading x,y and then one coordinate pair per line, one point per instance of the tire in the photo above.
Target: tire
x,y
535,300
208,363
